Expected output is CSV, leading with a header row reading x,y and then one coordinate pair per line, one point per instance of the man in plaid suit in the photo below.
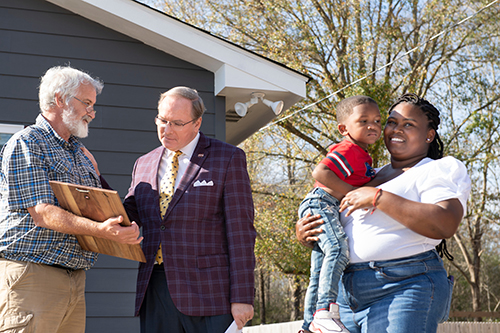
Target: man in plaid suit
x,y
202,278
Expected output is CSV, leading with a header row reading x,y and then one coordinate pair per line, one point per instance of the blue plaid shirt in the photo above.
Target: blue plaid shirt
x,y
28,161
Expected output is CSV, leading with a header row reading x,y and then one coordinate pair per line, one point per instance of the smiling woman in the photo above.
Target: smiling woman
x,y
407,135
396,280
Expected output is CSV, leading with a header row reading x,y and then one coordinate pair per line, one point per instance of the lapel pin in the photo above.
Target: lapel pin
x,y
200,155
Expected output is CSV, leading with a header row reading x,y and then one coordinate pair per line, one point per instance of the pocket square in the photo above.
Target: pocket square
x,y
203,183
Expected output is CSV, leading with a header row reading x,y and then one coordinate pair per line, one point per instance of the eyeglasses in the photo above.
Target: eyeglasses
x,y
88,107
175,124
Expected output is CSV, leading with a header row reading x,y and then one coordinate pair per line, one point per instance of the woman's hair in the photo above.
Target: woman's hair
x,y
436,147
65,81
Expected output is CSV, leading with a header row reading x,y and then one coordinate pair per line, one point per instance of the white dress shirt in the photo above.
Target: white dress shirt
x,y
184,159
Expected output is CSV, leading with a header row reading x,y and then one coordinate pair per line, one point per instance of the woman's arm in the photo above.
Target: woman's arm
x,y
437,221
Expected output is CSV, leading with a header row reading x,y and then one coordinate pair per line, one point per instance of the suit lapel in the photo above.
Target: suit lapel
x,y
152,166
199,157
153,176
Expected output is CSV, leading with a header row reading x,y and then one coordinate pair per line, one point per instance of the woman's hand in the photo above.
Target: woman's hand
x,y
306,229
360,198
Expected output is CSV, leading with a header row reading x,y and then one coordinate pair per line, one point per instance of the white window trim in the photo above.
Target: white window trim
x,y
10,129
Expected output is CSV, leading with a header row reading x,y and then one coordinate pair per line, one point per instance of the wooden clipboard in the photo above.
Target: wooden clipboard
x,y
96,204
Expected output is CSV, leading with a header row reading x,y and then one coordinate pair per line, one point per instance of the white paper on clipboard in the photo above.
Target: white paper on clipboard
x,y
233,328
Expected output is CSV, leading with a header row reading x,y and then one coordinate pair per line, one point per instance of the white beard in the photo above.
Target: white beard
x,y
77,127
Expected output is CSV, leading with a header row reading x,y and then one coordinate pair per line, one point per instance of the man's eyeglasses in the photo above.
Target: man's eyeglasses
x,y
175,124
88,107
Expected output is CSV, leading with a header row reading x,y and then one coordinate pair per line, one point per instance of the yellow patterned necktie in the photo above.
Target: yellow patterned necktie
x,y
167,186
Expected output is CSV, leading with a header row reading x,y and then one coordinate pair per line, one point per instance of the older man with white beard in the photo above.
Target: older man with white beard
x,y
42,266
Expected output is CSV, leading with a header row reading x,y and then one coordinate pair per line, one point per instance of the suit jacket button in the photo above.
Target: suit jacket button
x,y
162,228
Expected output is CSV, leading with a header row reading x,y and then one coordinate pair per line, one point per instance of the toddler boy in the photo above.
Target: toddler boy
x,y
346,166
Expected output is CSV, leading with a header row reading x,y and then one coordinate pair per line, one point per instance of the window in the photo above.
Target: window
x,y
6,131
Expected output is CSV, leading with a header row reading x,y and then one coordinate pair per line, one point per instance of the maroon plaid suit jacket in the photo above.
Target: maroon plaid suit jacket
x,y
207,234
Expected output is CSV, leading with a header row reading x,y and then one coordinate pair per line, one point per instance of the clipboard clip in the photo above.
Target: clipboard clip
x,y
83,191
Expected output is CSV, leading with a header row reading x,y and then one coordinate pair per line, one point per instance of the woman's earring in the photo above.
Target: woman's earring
x,y
428,140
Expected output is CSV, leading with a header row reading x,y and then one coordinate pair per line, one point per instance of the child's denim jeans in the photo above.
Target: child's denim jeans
x,y
330,254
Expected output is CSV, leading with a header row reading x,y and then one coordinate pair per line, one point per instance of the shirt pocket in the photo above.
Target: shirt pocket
x,y
59,167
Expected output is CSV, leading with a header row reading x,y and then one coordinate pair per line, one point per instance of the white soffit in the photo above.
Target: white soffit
x,y
237,72
234,67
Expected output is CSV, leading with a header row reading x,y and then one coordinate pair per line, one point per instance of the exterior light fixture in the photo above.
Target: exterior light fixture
x,y
242,108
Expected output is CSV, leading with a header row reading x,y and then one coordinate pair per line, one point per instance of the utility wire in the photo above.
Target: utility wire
x,y
381,68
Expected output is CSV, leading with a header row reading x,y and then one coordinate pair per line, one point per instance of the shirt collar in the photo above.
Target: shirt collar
x,y
73,143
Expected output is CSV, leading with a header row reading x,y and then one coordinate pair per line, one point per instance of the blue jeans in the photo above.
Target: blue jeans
x,y
407,295
330,254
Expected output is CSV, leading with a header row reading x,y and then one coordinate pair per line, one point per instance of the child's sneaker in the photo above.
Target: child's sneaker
x,y
327,321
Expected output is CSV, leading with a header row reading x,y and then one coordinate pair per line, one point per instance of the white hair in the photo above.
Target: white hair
x,y
65,81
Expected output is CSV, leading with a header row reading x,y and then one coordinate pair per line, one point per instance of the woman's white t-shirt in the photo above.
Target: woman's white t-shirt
x,y
379,237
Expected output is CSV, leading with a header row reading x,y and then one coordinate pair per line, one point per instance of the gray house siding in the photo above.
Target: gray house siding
x,y
36,35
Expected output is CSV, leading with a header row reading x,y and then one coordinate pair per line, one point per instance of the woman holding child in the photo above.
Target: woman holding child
x,y
396,281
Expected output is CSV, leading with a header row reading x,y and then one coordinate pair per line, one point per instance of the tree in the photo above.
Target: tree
x,y
475,140
418,48
277,252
